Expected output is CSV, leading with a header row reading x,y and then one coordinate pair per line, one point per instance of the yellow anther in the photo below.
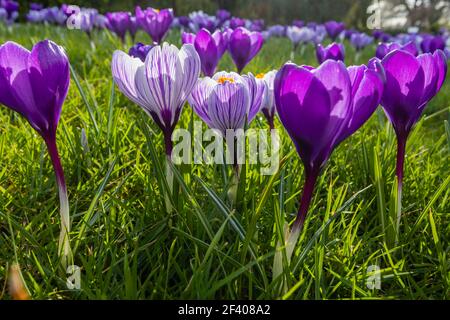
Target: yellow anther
x,y
222,80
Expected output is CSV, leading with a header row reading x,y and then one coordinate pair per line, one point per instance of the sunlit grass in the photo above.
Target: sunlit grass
x,y
128,247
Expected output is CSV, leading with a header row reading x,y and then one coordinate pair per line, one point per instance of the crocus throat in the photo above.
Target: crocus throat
x,y
260,76
222,80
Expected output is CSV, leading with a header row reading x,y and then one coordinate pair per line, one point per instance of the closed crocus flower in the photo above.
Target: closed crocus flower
x,y
155,22
384,48
235,23
35,84
161,84
133,28
210,48
411,82
119,23
334,29
244,45
268,105
334,51
319,108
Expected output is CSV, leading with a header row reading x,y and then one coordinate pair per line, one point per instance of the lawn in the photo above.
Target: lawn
x,y
128,247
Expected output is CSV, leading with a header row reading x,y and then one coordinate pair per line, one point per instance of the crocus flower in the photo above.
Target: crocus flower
x,y
222,15
199,20
133,28
119,23
210,48
384,48
268,105
161,84
334,29
277,31
35,84
432,43
235,23
155,22
334,51
243,46
36,6
256,25
360,40
298,23
140,50
299,35
319,108
411,82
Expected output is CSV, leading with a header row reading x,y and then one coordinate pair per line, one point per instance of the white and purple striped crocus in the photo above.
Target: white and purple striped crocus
x,y
155,22
210,48
35,84
161,84
268,105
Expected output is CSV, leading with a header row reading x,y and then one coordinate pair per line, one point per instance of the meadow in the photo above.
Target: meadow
x,y
128,247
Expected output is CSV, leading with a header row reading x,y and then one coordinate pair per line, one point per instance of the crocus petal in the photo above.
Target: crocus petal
x,y
431,73
199,98
441,65
257,91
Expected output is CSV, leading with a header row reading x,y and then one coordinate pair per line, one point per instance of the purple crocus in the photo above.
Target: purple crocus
x,y
222,15
384,48
319,108
432,43
133,28
298,23
35,84
334,29
235,23
161,84
268,105
243,46
210,48
36,6
119,23
155,22
140,50
411,82
10,11
334,51
360,40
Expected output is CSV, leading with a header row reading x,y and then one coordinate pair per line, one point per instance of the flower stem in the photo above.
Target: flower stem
x,y
64,242
305,201
401,151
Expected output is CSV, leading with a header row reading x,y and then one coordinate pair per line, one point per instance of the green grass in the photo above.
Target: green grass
x,y
128,246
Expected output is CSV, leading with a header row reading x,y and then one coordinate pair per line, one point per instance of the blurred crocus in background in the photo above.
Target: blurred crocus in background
x,y
235,23
155,22
319,109
334,51
243,46
140,50
432,43
222,15
360,41
299,36
199,20
161,86
210,48
384,48
119,23
334,29
9,11
411,82
35,84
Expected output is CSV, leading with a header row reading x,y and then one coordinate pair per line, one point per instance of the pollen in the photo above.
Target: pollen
x,y
222,80
260,75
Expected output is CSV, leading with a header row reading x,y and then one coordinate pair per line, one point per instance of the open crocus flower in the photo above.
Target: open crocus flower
x,y
334,29
161,84
384,48
243,46
319,109
334,51
227,100
35,84
411,82
210,48
119,23
155,22
268,105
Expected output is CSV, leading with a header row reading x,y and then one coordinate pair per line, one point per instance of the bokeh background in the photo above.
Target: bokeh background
x,y
396,14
